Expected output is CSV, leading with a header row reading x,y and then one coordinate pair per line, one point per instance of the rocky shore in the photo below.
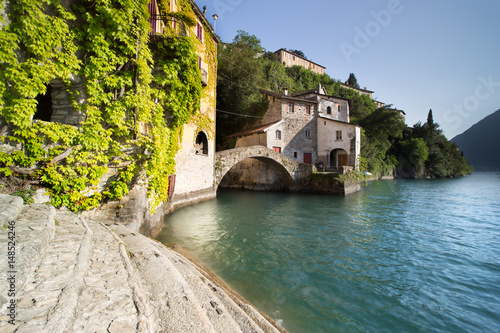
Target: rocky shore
x,y
66,273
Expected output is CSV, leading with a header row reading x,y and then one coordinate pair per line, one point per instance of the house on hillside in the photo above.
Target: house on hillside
x,y
358,90
290,59
370,93
310,127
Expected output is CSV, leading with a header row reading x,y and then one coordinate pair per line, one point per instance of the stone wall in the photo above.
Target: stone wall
x,y
299,132
256,175
194,170
133,211
328,142
62,109
257,139
273,112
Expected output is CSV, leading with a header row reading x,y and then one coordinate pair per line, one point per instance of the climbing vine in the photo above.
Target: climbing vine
x,y
138,93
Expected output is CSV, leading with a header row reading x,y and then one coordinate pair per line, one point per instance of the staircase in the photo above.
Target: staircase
x,y
72,274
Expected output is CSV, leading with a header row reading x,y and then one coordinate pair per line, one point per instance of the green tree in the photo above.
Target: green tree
x,y
382,128
299,53
240,76
430,119
414,154
444,159
352,81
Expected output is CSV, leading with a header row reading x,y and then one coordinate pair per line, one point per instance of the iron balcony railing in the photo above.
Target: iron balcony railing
x,y
161,25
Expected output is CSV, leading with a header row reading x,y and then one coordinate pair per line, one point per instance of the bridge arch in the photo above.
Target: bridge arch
x,y
227,159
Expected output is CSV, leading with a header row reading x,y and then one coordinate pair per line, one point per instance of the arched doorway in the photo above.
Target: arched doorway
x,y
201,147
44,106
338,159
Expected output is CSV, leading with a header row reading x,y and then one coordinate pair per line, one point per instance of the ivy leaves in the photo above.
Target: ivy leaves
x,y
123,115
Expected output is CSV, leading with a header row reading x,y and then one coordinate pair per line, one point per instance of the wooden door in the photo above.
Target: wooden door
x,y
308,158
342,160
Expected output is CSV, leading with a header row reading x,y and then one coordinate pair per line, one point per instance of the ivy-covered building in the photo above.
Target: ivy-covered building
x,y
194,173
99,98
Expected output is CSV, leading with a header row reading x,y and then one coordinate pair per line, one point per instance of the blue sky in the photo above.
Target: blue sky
x,y
442,55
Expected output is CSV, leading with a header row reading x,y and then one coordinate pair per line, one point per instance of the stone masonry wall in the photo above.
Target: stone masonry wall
x,y
295,126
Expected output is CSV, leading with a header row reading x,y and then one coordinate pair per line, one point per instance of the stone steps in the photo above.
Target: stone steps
x,y
78,275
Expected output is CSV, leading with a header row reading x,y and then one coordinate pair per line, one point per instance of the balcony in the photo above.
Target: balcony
x,y
166,25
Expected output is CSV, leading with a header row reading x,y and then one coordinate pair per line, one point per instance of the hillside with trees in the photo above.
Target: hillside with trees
x,y
388,145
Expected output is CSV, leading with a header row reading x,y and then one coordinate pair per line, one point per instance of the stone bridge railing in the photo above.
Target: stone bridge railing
x,y
226,159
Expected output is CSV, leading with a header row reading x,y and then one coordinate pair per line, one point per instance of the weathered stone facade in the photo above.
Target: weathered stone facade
x,y
309,127
261,169
195,160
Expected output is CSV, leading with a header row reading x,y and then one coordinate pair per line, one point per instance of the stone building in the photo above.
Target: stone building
x,y
194,178
359,90
310,127
290,59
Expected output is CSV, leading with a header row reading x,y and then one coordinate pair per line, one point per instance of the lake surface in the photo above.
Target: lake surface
x,y
399,256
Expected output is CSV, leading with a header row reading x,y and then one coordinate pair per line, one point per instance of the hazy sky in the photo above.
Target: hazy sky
x,y
418,55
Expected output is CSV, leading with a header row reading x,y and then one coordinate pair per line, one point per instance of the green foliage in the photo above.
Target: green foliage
x,y
439,158
26,194
131,88
300,53
384,146
240,76
414,153
352,81
381,130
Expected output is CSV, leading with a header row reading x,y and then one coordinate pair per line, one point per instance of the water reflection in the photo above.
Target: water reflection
x,y
402,256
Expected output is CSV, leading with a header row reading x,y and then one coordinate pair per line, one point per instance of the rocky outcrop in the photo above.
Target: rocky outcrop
x,y
133,211
68,273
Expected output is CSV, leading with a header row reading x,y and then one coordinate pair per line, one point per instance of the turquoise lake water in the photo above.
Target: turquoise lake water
x,y
399,256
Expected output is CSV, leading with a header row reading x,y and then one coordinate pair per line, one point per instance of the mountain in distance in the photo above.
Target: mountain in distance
x,y
481,143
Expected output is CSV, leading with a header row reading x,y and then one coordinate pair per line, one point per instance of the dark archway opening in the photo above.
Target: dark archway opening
x,y
44,106
338,158
257,174
201,144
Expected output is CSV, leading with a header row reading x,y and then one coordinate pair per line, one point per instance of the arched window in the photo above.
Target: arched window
x,y
329,110
201,144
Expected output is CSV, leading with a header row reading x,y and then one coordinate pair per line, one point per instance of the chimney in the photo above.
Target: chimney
x,y
285,91
204,10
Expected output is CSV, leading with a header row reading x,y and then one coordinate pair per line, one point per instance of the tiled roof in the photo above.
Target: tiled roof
x,y
253,130
312,62
282,96
315,91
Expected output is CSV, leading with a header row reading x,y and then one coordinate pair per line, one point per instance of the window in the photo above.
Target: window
x,y
353,145
294,154
339,135
290,107
278,134
201,147
199,62
277,149
338,107
308,109
308,133
199,31
329,110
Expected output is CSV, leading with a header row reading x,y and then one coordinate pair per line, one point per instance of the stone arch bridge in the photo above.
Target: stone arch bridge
x,y
294,171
